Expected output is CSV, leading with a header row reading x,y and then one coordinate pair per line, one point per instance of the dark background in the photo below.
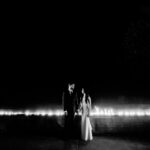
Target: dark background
x,y
102,47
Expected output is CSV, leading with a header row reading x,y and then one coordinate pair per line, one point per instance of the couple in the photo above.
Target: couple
x,y
75,104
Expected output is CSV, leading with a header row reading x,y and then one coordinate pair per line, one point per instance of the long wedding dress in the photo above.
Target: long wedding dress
x,y
86,128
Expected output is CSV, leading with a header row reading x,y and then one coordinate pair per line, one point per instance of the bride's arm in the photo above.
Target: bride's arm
x,y
89,105
80,106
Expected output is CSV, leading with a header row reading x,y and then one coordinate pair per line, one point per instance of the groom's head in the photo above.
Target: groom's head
x,y
71,87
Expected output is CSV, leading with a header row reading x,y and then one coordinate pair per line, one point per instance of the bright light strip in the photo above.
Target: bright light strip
x,y
44,113
100,111
97,111
30,113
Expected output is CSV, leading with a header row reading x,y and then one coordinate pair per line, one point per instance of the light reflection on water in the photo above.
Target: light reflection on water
x,y
96,111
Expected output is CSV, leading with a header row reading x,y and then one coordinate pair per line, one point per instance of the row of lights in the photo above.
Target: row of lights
x,y
97,111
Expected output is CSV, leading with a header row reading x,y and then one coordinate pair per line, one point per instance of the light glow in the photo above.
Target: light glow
x,y
97,111
101,111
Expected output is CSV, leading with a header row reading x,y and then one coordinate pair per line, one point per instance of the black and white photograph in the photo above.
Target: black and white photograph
x,y
75,76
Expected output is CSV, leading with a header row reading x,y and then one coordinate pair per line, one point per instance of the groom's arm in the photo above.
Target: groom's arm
x,y
63,101
76,102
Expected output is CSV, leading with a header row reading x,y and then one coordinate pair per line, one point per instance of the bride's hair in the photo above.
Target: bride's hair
x,y
86,95
87,98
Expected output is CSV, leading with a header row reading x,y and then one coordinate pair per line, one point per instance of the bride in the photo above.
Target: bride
x,y
85,107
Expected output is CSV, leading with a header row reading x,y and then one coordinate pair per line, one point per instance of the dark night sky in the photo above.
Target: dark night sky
x,y
105,48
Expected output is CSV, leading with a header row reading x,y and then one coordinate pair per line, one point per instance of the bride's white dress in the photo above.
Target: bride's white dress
x,y
86,128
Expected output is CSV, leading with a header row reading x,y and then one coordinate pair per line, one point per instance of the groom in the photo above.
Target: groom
x,y
70,104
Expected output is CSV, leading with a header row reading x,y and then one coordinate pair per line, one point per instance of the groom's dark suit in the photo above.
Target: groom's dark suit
x,y
70,103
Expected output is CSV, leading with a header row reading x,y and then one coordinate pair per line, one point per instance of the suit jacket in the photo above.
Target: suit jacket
x,y
70,102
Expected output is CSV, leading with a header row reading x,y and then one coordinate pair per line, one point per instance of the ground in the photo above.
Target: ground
x,y
53,143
